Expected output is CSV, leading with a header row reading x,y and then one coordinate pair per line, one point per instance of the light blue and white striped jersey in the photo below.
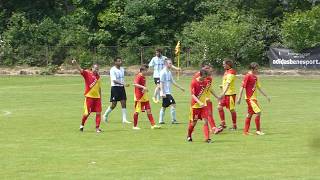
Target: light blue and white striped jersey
x,y
166,79
116,74
158,64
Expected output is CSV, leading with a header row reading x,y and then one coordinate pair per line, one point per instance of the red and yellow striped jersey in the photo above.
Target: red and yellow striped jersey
x,y
92,84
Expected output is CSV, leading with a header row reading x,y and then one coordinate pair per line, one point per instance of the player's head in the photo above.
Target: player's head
x,y
208,67
168,63
203,73
143,69
117,61
254,67
95,68
158,52
227,63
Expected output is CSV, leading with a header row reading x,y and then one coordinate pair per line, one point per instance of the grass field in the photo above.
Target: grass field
x,y
39,136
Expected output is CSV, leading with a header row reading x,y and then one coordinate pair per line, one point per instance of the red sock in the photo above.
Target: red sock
x,y
257,119
211,122
84,119
135,119
247,125
150,117
234,119
206,131
221,114
98,120
190,129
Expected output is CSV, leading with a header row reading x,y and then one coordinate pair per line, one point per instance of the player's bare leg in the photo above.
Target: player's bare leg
x,y
156,94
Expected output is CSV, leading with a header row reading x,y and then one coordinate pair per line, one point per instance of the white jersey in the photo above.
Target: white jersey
x,y
158,64
117,74
166,79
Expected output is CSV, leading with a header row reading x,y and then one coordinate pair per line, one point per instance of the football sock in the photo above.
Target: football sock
x,y
98,120
211,121
124,114
247,125
162,110
108,111
173,114
234,119
257,120
84,119
135,119
206,131
222,118
190,129
150,117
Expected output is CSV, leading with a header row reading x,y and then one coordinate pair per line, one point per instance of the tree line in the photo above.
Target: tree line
x,y
42,32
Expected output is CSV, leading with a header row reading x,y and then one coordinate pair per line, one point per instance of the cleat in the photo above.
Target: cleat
x,y
175,122
208,141
81,128
233,128
161,123
217,130
136,128
247,134
222,126
98,130
155,127
128,122
260,133
189,139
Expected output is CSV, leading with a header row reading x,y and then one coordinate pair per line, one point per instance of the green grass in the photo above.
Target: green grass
x,y
40,138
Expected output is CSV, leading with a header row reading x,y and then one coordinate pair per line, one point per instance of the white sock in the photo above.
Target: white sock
x,y
124,114
162,110
108,111
173,114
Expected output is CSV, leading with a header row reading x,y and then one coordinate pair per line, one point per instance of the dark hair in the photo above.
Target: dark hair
x,y
253,65
228,62
159,50
203,64
143,67
203,73
116,58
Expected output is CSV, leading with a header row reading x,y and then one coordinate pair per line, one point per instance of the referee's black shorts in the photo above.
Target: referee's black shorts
x,y
167,101
118,93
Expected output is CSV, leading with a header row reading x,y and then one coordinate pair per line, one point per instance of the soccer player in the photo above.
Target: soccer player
x,y
251,84
141,100
165,92
157,62
198,109
118,92
228,96
209,92
92,93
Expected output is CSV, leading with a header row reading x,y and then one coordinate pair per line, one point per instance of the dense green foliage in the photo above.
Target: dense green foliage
x,y
41,32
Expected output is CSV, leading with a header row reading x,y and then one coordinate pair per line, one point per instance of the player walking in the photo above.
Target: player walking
x,y
118,92
141,100
251,84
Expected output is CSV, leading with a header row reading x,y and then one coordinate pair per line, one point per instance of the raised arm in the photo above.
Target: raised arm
x,y
75,63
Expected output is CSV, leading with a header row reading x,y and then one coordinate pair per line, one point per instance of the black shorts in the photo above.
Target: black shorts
x,y
156,80
118,93
168,100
